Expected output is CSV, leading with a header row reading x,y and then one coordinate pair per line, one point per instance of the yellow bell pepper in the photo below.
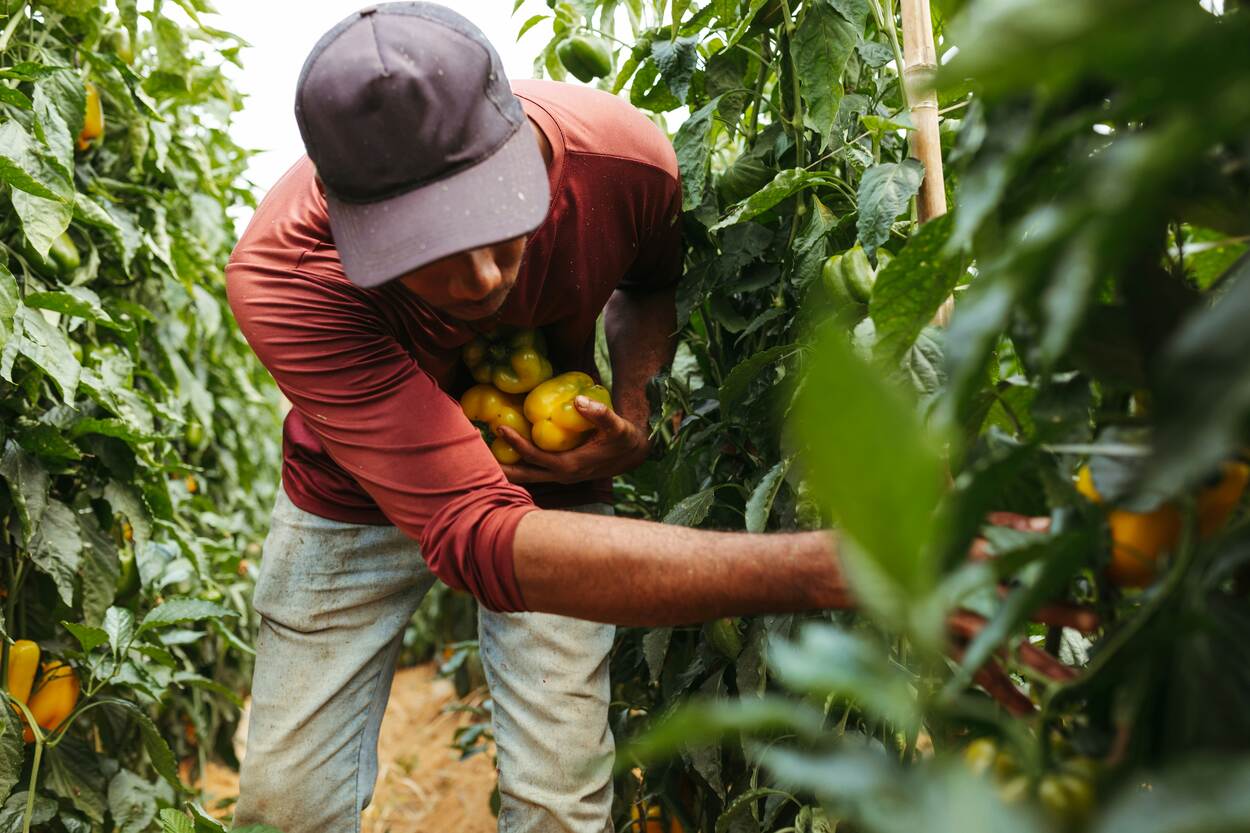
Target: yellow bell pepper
x,y
1217,502
23,662
55,698
557,424
1139,539
515,361
486,406
93,121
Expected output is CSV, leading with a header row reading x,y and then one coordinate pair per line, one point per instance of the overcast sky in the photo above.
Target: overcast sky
x,y
281,33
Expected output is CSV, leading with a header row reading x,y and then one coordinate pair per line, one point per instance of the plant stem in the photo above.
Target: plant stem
x,y
34,780
800,137
885,22
758,94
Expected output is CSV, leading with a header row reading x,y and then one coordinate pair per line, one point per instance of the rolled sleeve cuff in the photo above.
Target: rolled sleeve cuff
x,y
468,545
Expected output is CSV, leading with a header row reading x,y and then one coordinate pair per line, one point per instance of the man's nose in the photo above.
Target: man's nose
x,y
480,278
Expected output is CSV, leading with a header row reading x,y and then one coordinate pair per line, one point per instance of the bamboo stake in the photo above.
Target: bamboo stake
x,y
920,57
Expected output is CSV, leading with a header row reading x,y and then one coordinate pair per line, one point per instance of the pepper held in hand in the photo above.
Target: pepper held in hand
x,y
557,425
484,405
514,361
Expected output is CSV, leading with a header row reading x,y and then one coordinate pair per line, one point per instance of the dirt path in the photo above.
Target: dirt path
x,y
422,785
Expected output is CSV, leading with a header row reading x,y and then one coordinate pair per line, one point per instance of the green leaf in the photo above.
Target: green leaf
x,y
15,97
939,798
73,773
175,821
706,721
1207,795
739,380
47,347
119,623
43,221
655,649
783,186
172,52
48,443
71,8
76,301
856,426
13,813
193,680
743,804
884,193
744,23
676,61
121,228
693,146
822,45
56,548
911,288
100,568
29,170
158,750
530,24
88,636
126,501
12,751
10,300
1203,391
855,11
181,609
132,802
692,510
827,661
760,504
29,483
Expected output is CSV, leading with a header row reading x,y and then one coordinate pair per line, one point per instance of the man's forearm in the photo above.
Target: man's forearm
x,y
641,331
629,572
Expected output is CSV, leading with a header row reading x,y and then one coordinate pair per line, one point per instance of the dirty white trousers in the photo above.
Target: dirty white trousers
x,y
334,599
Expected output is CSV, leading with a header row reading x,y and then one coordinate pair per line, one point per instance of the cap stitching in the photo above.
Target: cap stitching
x,y
377,48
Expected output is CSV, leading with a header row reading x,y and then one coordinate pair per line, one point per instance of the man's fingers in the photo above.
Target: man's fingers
x,y
529,452
995,681
1043,663
604,418
1022,523
965,625
1067,616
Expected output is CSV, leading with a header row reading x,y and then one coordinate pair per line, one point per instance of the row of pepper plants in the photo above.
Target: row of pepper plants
x,y
139,436
1094,373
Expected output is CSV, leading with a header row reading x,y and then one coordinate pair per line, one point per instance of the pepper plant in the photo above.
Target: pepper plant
x,y
1094,375
139,436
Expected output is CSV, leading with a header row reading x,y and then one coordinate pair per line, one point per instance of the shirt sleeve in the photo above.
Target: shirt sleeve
x,y
387,423
660,254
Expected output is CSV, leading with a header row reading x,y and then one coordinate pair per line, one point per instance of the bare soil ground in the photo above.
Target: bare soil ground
x,y
422,785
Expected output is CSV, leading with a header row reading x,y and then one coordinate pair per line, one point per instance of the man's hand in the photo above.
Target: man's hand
x,y
616,445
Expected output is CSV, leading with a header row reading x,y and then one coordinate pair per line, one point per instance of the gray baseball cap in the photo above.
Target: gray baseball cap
x,y
423,149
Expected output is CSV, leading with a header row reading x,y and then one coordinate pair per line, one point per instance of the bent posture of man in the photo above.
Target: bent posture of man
x,y
438,202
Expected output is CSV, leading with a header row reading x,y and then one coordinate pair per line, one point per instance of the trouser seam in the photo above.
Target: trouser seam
x,y
364,729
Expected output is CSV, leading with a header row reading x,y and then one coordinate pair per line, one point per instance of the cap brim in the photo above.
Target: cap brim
x,y
504,196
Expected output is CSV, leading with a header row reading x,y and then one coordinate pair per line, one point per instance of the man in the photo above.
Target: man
x,y
436,203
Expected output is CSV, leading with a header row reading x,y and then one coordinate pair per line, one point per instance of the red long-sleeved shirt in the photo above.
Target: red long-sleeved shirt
x,y
375,435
